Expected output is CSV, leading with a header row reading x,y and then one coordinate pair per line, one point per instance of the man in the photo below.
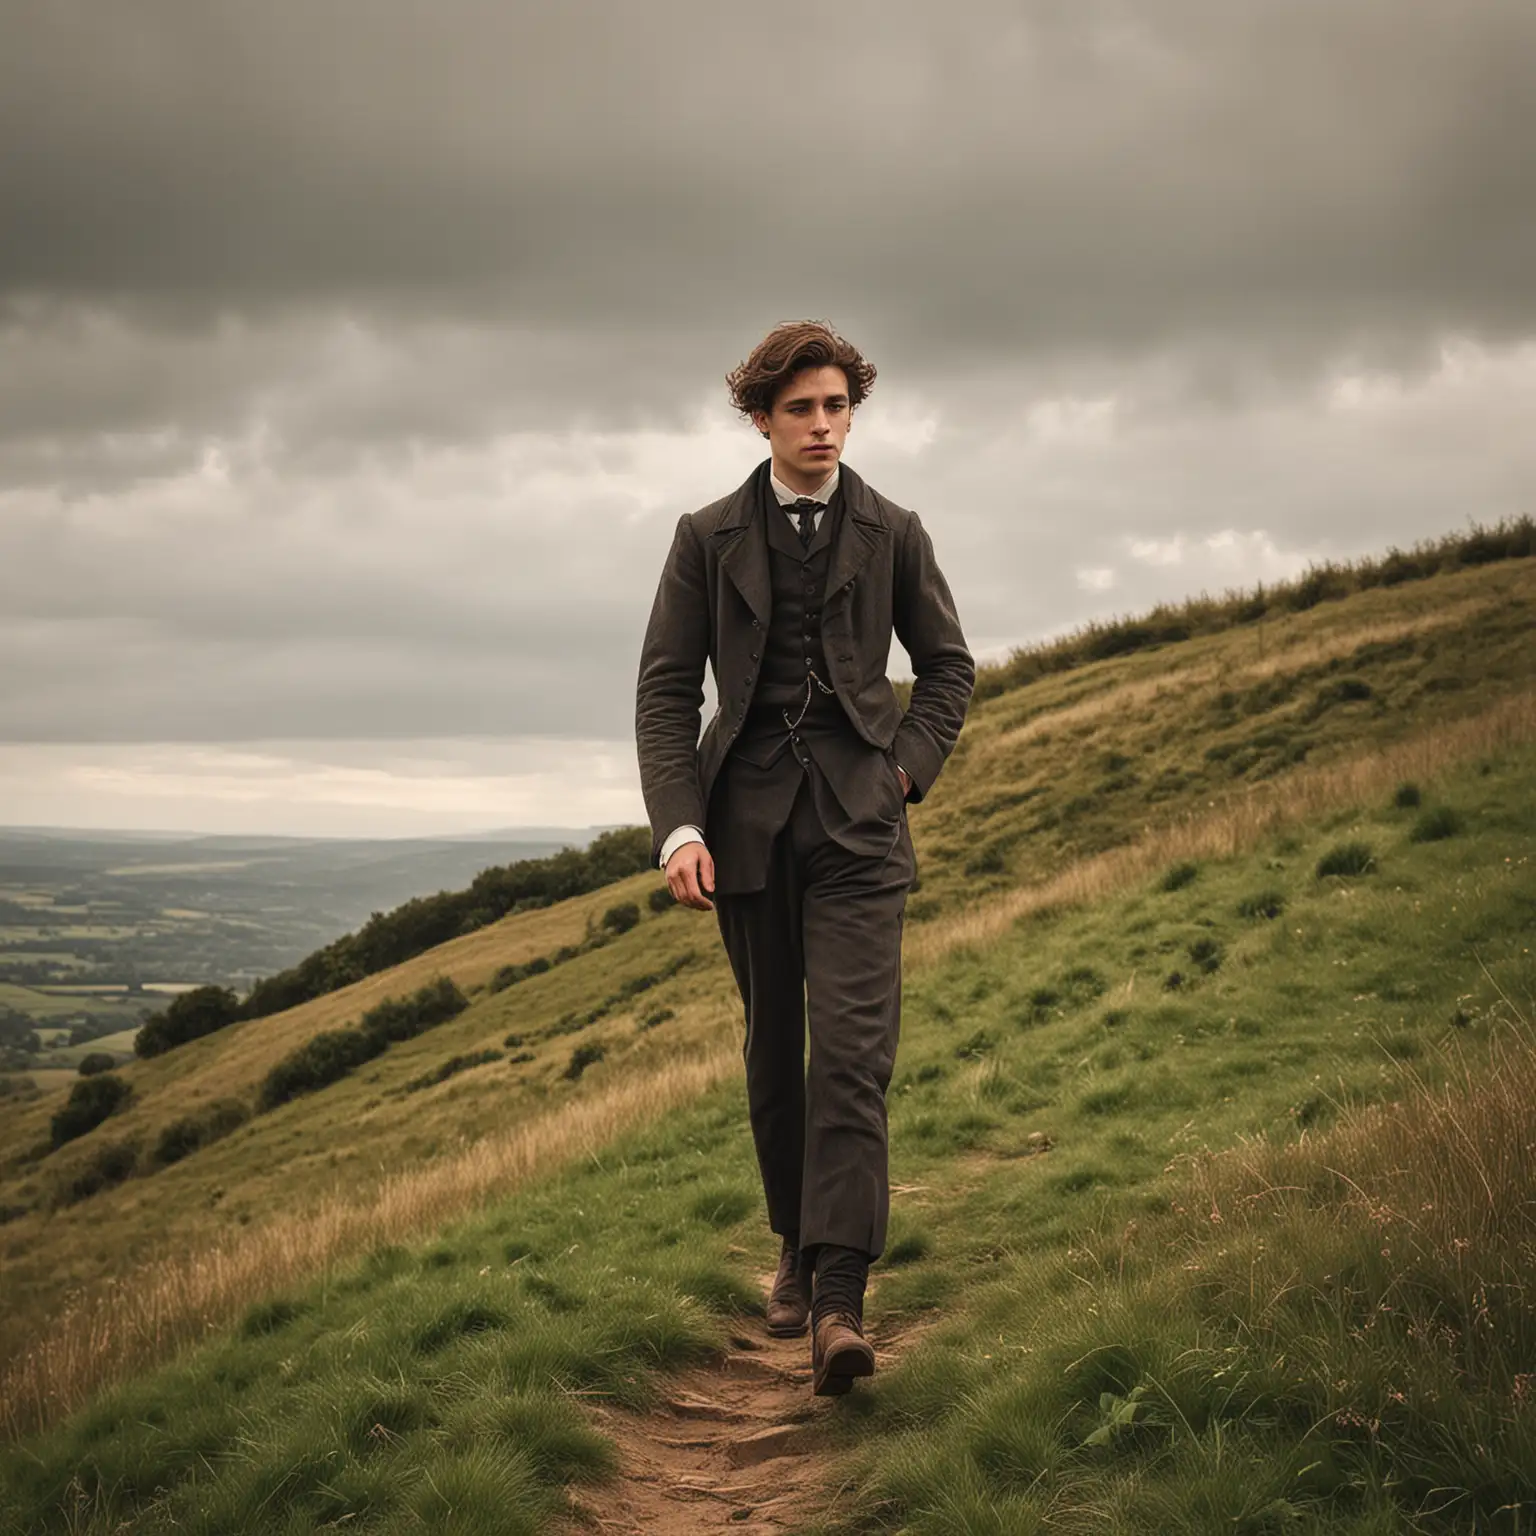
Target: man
x,y
790,811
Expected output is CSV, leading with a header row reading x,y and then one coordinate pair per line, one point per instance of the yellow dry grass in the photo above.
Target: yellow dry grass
x,y
1292,651
144,1318
1235,823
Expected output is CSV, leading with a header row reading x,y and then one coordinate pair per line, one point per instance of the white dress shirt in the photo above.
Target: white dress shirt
x,y
823,493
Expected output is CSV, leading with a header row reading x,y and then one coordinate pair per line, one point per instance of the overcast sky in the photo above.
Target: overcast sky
x,y
357,358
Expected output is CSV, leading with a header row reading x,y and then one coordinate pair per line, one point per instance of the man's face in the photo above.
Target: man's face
x,y
809,423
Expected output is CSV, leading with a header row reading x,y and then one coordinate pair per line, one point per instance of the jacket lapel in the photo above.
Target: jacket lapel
x,y
859,530
742,542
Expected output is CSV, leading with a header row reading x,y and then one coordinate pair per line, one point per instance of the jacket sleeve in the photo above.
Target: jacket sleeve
x,y
670,692
926,623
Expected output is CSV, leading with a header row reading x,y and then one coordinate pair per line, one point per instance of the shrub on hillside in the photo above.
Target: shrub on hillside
x,y
90,1101
189,1016
330,1056
317,1063
1178,877
1353,858
582,1057
621,918
1206,953
1407,797
107,1165
661,899
184,1136
1443,821
403,1018
96,1061
451,1068
1262,904
509,975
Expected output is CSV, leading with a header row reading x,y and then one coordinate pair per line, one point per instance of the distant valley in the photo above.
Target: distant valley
x,y
98,928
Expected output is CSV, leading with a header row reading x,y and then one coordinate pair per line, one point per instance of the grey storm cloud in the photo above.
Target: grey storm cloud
x,y
355,359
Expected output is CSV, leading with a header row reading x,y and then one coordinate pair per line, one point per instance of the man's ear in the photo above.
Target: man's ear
x,y
760,421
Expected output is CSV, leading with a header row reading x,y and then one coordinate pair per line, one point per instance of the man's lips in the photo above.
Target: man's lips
x,y
825,448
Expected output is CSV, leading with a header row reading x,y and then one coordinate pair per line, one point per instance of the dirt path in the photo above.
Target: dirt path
x,y
736,1446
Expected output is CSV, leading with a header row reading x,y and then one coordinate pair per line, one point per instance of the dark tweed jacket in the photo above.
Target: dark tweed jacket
x,y
714,602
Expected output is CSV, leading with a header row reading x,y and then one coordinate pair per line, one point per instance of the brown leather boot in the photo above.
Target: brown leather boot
x,y
839,1354
789,1300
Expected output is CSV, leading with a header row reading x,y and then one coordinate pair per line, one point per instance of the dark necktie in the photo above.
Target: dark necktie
x,y
806,508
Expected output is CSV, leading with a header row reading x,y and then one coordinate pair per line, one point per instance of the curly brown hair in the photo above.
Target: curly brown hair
x,y
783,352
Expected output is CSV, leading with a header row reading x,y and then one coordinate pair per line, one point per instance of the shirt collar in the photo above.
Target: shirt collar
x,y
823,492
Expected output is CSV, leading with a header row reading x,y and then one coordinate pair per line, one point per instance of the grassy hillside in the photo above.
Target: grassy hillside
x,y
1104,1321
1041,1018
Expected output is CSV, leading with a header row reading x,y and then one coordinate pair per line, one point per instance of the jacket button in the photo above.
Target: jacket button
x,y
754,655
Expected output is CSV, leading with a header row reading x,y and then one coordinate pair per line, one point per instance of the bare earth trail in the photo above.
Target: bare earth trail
x,y
737,1445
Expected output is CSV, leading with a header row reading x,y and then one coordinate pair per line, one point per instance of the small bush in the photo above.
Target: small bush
x,y
331,1055
661,899
403,1018
1040,1004
1268,904
96,1061
1407,796
512,1041
90,1101
1206,953
189,1017
1432,826
621,918
316,1064
509,975
182,1137
107,1165
1353,858
451,1068
582,1057
1178,877
654,1017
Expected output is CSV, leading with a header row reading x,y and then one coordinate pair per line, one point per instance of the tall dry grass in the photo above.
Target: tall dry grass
x,y
1228,826
1287,653
145,1317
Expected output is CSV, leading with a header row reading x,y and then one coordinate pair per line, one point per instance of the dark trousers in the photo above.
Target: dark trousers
x,y
821,942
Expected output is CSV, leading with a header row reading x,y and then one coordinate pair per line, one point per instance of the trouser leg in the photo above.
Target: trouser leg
x,y
852,913
761,931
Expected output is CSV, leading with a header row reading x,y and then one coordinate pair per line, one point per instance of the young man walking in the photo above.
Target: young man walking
x,y
790,811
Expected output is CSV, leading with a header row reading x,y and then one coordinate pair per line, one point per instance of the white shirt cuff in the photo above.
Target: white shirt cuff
x,y
679,839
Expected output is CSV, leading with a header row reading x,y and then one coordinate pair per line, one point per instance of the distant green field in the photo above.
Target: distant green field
x,y
42,1005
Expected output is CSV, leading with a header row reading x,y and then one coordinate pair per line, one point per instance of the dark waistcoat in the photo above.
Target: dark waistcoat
x,y
793,649
853,784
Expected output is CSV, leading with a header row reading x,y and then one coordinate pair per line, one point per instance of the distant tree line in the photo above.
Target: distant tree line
x,y
388,938
1169,623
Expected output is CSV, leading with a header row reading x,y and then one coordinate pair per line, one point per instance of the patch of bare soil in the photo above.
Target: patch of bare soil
x,y
738,1445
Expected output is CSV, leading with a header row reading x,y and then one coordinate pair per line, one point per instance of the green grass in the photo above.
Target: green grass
x,y
1122,1338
